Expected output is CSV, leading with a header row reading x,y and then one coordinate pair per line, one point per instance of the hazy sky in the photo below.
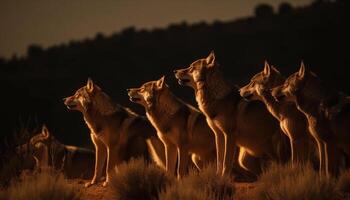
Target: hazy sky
x,y
48,22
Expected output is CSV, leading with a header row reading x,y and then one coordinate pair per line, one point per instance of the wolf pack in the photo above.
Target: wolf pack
x,y
296,119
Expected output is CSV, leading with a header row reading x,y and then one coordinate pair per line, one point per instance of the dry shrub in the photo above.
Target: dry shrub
x,y
204,185
296,182
139,180
41,186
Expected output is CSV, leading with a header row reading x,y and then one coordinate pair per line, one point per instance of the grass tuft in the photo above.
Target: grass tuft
x,y
204,185
139,180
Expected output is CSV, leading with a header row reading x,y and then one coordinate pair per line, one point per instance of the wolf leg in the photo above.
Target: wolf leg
x,y
332,158
321,157
183,158
170,157
114,158
157,151
197,161
220,146
100,158
230,142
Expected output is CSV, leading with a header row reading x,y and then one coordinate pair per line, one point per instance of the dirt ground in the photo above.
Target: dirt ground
x,y
98,192
95,192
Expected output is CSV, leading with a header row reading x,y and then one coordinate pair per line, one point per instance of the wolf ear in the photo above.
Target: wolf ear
x,y
267,69
45,132
211,58
301,72
160,82
90,85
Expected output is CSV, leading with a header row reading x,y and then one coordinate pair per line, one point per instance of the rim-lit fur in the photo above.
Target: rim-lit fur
x,y
233,120
327,112
182,128
118,133
292,122
48,152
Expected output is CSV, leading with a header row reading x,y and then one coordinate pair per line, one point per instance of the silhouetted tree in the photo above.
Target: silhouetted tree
x,y
263,10
99,36
34,50
2,61
285,8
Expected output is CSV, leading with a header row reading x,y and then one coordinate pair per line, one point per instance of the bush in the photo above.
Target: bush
x,y
41,186
204,185
139,180
296,182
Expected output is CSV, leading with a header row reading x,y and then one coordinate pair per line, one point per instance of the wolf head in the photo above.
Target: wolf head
x,y
38,146
199,71
262,82
148,94
292,87
83,97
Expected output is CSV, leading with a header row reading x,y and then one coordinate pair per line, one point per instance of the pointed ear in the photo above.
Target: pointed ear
x,y
301,72
90,85
267,69
211,58
45,132
160,82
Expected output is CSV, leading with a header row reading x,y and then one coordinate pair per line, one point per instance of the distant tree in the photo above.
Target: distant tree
x,y
99,36
263,10
285,8
14,58
34,50
128,31
2,61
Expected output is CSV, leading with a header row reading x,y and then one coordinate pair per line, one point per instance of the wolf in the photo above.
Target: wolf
x,y
316,101
48,152
117,133
292,122
181,127
234,120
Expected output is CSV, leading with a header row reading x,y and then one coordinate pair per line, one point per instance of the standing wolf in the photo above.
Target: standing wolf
x,y
117,133
327,112
292,122
74,162
182,128
233,120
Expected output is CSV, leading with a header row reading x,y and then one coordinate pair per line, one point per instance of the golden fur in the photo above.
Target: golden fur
x,y
233,120
292,122
327,112
182,128
48,152
118,133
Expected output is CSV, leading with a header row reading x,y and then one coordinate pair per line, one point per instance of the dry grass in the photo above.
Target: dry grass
x,y
343,183
204,185
296,182
139,180
41,186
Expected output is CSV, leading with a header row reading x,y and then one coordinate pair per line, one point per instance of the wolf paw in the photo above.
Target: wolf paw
x,y
88,184
105,184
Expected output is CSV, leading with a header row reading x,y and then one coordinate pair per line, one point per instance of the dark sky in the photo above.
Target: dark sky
x,y
48,22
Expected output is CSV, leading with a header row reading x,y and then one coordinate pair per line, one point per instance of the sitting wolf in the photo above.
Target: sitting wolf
x,y
48,152
117,133
181,127
234,120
